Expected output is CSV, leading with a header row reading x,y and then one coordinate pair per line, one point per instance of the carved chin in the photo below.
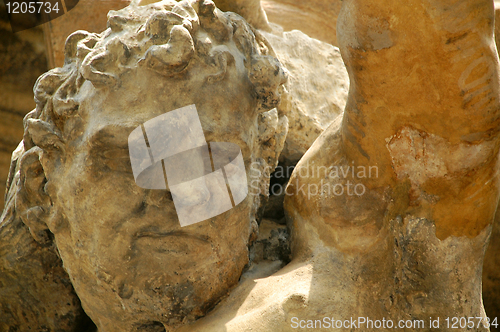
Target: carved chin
x,y
160,299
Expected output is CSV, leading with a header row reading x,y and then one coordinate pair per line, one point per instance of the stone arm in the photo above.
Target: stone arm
x,y
423,106
420,139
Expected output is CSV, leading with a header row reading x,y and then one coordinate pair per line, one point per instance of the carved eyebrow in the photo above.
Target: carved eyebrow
x,y
111,137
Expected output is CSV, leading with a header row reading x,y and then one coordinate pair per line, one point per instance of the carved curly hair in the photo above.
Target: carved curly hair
x,y
159,36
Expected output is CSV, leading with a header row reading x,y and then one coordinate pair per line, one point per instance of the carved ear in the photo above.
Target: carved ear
x,y
32,203
44,135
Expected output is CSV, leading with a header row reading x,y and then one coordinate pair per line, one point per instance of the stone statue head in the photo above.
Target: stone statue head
x,y
131,263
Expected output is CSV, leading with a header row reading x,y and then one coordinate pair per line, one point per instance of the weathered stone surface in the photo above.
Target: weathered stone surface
x,y
497,23
250,10
132,265
318,84
491,270
88,15
35,292
22,60
491,275
316,97
409,243
392,252
315,100
272,244
316,18
436,155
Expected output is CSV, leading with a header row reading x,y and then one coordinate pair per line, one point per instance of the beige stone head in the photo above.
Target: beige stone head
x,y
131,263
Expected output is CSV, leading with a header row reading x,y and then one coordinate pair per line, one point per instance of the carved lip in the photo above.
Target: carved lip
x,y
173,243
177,233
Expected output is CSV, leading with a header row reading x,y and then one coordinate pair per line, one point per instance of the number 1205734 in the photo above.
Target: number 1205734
x,y
470,322
31,7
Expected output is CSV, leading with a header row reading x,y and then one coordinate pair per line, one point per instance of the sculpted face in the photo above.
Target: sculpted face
x,y
131,263
130,238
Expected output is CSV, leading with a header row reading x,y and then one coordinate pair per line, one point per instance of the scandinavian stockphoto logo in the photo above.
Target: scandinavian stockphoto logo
x,y
205,179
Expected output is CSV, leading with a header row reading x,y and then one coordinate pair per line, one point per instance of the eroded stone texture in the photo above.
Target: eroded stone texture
x,y
491,275
131,264
407,240
394,260
491,271
426,115
316,97
35,291
88,15
22,60
317,18
251,10
272,245
318,81
290,15
317,86
497,22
